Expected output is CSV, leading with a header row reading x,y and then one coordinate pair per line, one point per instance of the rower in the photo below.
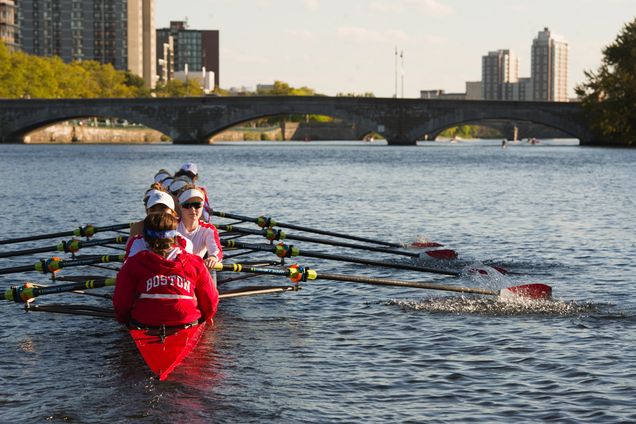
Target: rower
x,y
191,170
155,201
164,286
204,236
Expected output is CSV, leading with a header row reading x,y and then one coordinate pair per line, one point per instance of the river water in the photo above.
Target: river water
x,y
552,213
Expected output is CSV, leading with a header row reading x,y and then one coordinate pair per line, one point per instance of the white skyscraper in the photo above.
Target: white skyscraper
x,y
549,67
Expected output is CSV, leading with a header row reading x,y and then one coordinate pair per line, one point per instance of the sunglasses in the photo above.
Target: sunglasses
x,y
196,205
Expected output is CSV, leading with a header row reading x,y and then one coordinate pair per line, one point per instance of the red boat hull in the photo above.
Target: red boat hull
x,y
163,352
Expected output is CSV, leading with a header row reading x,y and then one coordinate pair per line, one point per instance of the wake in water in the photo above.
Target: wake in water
x,y
496,307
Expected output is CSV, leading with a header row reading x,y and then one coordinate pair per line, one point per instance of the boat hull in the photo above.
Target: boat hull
x,y
165,350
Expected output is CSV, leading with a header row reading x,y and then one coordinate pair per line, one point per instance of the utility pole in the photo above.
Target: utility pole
x,y
395,93
402,59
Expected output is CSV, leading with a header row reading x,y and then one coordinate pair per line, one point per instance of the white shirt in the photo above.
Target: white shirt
x,y
204,239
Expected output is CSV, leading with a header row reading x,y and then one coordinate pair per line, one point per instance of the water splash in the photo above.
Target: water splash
x,y
496,307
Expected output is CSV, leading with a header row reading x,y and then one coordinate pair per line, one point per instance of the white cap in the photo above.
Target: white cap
x,y
166,183
160,198
177,184
149,193
161,175
183,197
190,167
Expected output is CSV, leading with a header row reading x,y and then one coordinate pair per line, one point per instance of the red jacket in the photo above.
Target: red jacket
x,y
156,291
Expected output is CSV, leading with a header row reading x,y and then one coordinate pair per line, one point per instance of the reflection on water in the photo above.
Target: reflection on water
x,y
552,213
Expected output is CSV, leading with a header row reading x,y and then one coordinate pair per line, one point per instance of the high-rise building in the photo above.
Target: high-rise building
x,y
8,27
549,67
498,69
119,32
185,50
142,40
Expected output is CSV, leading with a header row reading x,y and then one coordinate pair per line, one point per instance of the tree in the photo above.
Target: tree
x,y
609,94
177,88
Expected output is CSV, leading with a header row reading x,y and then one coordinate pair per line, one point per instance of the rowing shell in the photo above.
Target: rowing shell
x,y
164,349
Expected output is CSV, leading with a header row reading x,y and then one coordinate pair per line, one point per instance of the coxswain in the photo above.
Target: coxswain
x,y
204,236
156,201
164,286
191,170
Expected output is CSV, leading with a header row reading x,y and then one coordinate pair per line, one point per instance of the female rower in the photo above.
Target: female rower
x,y
191,171
162,175
204,236
156,201
164,285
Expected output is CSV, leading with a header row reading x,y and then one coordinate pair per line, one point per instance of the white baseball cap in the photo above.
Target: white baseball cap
x,y
190,167
160,198
178,183
161,175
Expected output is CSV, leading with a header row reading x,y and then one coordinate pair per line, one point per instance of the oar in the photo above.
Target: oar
x,y
297,274
266,222
285,251
271,234
28,291
85,231
70,246
54,264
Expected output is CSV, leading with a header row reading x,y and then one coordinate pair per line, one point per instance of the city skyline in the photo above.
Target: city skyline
x,y
349,46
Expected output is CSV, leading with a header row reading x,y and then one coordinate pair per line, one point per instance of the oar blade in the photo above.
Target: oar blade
x,y
527,291
445,254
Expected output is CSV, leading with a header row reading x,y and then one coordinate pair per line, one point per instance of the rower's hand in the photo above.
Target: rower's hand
x,y
211,261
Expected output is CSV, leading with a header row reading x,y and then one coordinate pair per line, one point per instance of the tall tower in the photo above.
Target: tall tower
x,y
8,21
549,67
499,69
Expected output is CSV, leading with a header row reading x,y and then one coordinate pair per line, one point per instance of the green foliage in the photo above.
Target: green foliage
x,y
283,89
27,76
609,94
177,88
470,132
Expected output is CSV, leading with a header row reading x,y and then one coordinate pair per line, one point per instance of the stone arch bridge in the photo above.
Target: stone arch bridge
x,y
195,119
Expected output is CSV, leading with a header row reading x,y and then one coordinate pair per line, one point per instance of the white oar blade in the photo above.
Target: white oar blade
x,y
526,291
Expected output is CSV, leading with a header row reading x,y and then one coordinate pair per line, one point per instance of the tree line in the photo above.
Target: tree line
x,y
25,76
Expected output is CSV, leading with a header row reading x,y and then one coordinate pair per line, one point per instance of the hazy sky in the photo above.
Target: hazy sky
x,y
349,45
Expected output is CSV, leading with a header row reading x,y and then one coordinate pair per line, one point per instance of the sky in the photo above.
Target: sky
x,y
348,46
